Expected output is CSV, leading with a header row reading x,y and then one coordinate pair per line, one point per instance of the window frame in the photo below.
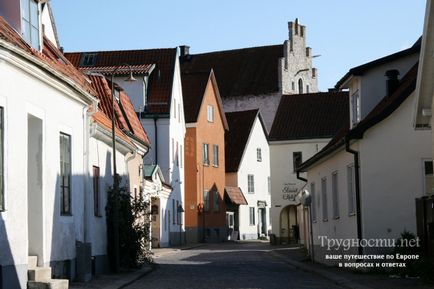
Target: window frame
x,y
210,113
250,184
297,159
259,155
335,195
28,24
96,192
216,201
206,203
215,149
205,154
65,209
324,199
252,217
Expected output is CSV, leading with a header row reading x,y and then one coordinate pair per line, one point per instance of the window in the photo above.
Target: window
x,y
313,201
428,180
205,154
2,178
30,22
96,196
179,112
88,59
335,195
65,174
206,201
351,191
324,199
355,108
296,160
210,113
250,184
215,149
252,216
216,199
293,86
269,185
300,86
259,155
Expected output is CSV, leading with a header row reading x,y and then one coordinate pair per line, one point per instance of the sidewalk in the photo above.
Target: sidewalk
x,y
122,280
296,257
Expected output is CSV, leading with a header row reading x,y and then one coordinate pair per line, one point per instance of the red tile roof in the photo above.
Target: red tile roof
x,y
50,56
240,125
380,112
235,195
120,70
103,120
161,80
248,71
126,117
308,116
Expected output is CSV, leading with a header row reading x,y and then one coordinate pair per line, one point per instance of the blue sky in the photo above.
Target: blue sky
x,y
346,33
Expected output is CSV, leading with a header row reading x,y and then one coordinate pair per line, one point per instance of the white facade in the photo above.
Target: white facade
x,y
166,134
392,156
285,185
260,169
39,104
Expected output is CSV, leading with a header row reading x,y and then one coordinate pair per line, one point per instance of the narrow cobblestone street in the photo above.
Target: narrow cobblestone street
x,y
227,265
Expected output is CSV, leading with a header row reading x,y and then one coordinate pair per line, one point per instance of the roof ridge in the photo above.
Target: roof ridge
x,y
122,50
235,49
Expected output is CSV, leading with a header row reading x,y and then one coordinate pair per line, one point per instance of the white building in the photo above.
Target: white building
x,y
157,98
256,77
303,125
247,175
44,131
375,166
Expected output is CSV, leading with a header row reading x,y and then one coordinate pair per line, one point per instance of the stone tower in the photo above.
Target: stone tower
x,y
296,72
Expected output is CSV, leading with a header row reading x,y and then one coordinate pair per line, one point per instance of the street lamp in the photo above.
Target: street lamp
x,y
115,174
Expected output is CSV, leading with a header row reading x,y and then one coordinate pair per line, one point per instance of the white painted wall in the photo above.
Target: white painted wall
x,y
261,172
28,90
283,178
101,155
391,172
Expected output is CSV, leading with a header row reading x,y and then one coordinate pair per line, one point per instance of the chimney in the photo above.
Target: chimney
x,y
184,50
392,81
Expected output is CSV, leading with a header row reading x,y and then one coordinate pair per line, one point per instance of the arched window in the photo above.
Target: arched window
x,y
300,86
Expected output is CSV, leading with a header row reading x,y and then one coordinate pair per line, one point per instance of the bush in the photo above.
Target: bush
x,y
134,229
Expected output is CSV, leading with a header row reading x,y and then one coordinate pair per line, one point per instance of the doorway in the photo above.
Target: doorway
x,y
289,232
35,187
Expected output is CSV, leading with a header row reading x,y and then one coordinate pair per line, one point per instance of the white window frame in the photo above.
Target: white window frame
x,y
252,212
251,184
355,108
215,161
258,154
205,154
324,200
210,113
29,24
335,195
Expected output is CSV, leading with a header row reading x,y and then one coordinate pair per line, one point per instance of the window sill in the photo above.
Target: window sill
x,y
215,166
205,165
98,216
314,221
251,193
351,214
66,214
325,220
336,218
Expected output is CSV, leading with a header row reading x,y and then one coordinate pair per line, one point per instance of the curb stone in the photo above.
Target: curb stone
x,y
140,275
335,278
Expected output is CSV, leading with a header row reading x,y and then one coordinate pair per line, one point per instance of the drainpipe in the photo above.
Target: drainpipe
x,y
357,185
301,178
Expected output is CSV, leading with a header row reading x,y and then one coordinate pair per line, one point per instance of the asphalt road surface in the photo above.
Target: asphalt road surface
x,y
227,266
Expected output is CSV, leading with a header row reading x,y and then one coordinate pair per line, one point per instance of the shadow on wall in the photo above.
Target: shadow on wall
x,y
11,275
176,231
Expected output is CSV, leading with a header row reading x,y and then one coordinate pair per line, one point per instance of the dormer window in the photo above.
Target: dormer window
x,y
355,108
88,59
30,22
